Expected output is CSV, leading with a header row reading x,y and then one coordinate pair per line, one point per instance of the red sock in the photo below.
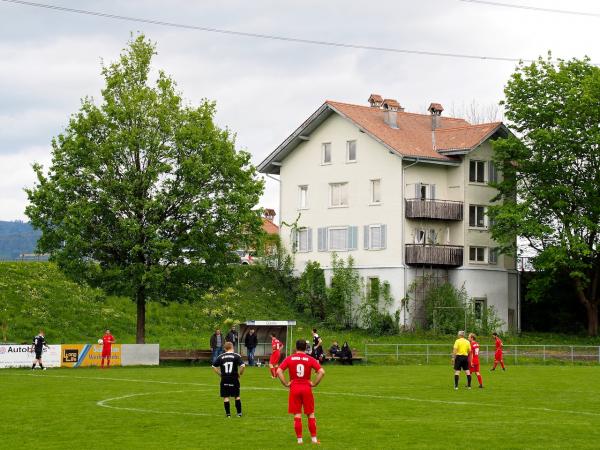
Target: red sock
x,y
272,371
107,363
479,379
495,364
298,426
102,363
502,364
312,426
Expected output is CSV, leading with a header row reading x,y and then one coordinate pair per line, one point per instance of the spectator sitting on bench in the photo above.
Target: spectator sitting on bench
x,y
334,349
345,354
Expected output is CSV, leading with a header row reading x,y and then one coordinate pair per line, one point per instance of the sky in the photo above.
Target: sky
x,y
264,89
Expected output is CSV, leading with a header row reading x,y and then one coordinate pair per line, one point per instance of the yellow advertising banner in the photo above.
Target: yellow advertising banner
x,y
83,355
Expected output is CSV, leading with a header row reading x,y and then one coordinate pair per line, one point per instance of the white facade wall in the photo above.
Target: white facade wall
x,y
304,167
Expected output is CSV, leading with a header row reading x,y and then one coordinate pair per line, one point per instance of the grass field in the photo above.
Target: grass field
x,y
360,407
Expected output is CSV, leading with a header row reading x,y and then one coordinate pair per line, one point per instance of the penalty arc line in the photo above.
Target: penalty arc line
x,y
104,404
351,394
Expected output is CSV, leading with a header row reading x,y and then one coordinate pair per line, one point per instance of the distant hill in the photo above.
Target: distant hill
x,y
16,238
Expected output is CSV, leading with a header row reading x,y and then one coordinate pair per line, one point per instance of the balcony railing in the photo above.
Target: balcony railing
x,y
417,208
434,255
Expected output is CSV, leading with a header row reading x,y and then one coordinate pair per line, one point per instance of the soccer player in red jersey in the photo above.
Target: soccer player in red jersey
x,y
498,354
276,346
107,342
474,358
300,367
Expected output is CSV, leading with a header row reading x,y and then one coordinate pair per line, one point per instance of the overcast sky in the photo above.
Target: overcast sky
x,y
263,88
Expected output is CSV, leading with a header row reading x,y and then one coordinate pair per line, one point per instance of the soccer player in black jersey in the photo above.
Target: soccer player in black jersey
x,y
226,366
39,342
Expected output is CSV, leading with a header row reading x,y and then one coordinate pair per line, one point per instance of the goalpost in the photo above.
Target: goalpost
x,y
435,315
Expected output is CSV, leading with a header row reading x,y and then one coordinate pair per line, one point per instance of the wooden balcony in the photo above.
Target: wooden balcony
x,y
433,209
434,255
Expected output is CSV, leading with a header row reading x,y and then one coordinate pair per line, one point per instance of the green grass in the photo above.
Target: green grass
x,y
357,407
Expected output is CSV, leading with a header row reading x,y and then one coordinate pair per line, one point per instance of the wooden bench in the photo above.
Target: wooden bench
x,y
185,355
355,357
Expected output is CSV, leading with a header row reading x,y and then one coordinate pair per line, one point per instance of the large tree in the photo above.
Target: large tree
x,y
551,184
145,195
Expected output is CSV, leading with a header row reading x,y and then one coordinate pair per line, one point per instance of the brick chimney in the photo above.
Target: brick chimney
x,y
269,214
435,109
390,112
375,100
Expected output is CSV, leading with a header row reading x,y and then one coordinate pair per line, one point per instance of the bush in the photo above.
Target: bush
x,y
312,292
373,311
345,287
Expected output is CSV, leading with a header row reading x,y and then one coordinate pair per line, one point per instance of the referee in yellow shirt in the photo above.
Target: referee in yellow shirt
x,y
460,357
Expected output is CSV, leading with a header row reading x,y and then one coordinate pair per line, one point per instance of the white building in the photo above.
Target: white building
x,y
405,194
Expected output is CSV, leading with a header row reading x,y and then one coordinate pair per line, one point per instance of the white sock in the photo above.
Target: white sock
x,y
314,439
300,441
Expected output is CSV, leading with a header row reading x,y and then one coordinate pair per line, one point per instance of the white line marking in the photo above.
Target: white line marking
x,y
346,394
104,404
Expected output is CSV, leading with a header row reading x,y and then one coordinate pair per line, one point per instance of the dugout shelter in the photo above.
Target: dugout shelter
x,y
283,329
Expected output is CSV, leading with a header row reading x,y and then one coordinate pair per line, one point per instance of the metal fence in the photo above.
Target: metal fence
x,y
513,354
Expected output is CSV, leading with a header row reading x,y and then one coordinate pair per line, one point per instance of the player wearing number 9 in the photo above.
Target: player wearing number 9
x,y
300,367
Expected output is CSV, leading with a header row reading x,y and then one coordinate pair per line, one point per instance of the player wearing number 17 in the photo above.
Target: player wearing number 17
x,y
226,366
300,366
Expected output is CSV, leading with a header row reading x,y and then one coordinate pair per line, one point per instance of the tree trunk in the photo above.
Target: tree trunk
x,y
592,316
140,299
591,308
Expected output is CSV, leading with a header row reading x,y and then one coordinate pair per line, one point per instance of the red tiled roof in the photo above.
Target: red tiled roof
x,y
413,137
269,227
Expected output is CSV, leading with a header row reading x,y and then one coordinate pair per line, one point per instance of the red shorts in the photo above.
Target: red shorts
x,y
301,396
474,367
106,351
275,357
498,355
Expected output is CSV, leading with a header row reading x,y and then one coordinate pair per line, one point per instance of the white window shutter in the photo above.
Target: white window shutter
x,y
432,192
417,190
366,236
309,239
383,236
294,238
352,238
322,239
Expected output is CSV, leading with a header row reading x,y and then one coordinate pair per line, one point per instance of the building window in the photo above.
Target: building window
x,y
432,237
302,197
326,153
375,191
477,171
477,216
493,256
351,151
338,239
479,306
303,238
424,191
420,236
477,254
373,289
493,173
338,194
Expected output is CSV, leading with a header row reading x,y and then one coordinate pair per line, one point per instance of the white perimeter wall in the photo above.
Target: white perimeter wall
x,y
139,354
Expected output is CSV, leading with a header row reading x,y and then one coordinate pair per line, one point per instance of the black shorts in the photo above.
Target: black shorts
x,y
230,388
461,362
38,354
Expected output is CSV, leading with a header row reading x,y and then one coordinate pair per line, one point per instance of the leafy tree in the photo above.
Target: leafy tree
x,y
373,310
312,295
551,183
145,195
345,287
